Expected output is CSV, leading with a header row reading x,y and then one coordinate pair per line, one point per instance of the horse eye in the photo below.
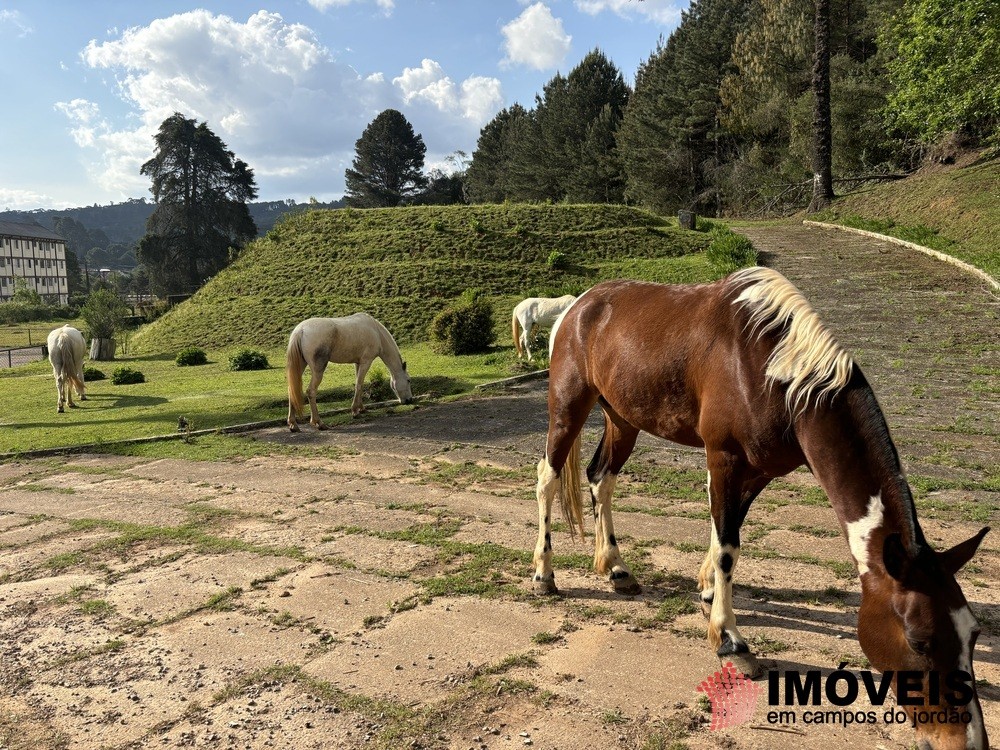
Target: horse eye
x,y
920,647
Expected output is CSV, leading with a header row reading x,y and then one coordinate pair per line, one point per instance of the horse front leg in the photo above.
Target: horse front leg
x,y
360,371
726,473
706,576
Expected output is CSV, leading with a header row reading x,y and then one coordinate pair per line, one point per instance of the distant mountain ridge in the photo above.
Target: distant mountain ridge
x,y
125,223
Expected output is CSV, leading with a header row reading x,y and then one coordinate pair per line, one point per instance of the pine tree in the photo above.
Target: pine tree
x,y
201,219
388,163
671,140
487,179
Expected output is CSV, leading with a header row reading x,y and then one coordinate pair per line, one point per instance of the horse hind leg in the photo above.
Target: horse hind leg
x,y
316,370
556,473
614,449
61,391
545,491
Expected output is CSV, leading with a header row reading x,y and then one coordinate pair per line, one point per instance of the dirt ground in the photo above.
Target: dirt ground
x,y
369,586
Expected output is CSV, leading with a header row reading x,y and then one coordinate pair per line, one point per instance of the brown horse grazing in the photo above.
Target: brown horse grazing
x,y
744,368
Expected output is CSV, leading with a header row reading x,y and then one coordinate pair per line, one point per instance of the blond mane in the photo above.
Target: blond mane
x,y
807,358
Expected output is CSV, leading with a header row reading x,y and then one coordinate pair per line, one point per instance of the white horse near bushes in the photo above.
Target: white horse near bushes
x,y
536,311
357,338
66,349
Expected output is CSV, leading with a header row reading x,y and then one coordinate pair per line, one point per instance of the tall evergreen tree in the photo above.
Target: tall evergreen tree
x,y
671,140
388,163
487,178
566,115
201,218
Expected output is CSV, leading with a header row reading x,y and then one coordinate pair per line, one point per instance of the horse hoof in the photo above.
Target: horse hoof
x,y
625,583
746,663
293,428
545,587
83,398
322,426
60,410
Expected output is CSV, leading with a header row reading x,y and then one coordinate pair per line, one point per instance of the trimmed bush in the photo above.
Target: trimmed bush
x,y
730,251
92,373
126,376
191,356
465,327
248,359
378,387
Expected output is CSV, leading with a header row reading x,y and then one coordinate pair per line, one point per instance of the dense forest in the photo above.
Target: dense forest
x,y
720,119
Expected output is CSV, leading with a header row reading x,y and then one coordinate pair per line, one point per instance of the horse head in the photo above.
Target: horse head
x,y
400,383
916,623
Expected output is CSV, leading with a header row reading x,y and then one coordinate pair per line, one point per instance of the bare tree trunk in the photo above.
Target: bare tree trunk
x,y
822,161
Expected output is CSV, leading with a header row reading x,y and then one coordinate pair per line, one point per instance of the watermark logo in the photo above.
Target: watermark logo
x,y
733,697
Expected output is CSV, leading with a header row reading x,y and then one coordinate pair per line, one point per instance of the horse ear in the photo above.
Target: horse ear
x,y
895,557
953,559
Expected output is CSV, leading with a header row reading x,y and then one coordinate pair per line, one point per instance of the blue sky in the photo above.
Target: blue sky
x,y
289,86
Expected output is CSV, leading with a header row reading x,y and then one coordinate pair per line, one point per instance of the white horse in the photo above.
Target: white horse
x,y
66,349
535,311
358,338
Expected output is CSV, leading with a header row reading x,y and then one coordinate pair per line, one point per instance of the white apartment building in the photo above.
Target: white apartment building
x,y
36,254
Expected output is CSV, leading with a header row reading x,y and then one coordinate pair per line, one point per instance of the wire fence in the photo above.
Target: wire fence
x,y
21,355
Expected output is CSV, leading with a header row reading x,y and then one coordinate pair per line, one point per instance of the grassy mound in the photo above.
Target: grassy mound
x,y
403,265
953,210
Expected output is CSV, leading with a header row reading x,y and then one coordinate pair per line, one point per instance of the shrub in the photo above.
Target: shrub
x,y
191,356
92,373
104,314
248,359
126,376
378,387
730,251
465,327
557,261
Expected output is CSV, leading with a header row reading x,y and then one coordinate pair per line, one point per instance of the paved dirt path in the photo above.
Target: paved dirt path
x,y
368,586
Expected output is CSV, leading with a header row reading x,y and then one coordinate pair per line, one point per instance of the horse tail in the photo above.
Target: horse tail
x,y
570,490
73,364
515,326
295,365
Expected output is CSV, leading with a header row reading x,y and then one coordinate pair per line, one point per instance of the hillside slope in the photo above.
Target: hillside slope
x,y
955,210
403,265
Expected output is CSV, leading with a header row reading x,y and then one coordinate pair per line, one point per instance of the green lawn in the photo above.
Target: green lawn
x,y
208,396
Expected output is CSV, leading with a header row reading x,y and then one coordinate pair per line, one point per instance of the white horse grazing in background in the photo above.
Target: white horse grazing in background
x,y
66,349
535,311
358,338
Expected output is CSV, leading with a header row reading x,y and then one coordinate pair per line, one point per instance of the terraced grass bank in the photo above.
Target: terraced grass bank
x,y
403,265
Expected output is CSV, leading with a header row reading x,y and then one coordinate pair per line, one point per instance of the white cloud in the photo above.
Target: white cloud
x,y
477,99
536,39
271,91
27,200
663,12
387,6
16,20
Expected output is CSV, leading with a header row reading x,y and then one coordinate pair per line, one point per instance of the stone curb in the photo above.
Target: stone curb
x,y
227,430
536,375
913,246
